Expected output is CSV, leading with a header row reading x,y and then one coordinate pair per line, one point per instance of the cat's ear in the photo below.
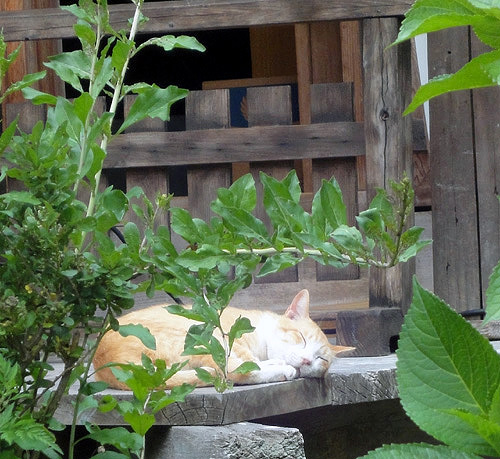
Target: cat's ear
x,y
299,308
342,351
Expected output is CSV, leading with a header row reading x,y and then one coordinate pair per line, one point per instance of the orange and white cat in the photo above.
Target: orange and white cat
x,y
284,346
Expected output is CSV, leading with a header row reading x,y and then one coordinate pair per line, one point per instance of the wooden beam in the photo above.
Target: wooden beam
x,y
387,91
454,200
186,15
144,149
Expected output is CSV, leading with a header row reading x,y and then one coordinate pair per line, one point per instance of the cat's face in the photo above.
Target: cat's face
x,y
300,342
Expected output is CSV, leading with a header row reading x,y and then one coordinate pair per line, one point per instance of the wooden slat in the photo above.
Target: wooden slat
x,y
174,16
237,144
352,70
152,180
454,211
332,102
487,146
273,51
270,106
387,91
207,109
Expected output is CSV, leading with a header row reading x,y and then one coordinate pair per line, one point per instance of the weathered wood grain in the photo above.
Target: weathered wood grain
x,y
270,106
332,102
236,144
175,16
152,180
349,380
454,208
207,110
487,153
387,92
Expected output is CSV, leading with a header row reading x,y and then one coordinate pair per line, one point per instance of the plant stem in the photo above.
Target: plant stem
x,y
114,102
95,55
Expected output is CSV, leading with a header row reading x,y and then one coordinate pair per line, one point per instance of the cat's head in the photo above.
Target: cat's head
x,y
300,342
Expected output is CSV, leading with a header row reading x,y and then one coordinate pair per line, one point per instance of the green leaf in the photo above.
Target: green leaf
x,y
182,223
445,364
26,82
242,222
140,422
332,203
277,263
120,54
384,206
430,16
70,67
7,135
39,97
412,251
180,310
281,201
482,71
132,236
206,257
420,450
350,238
118,437
246,367
153,102
24,197
204,375
371,223
485,428
241,326
241,194
169,42
493,296
140,332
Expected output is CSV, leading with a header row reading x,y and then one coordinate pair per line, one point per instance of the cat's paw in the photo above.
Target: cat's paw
x,y
276,373
291,372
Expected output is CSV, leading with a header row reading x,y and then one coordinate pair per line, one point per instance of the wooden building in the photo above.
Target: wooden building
x,y
323,95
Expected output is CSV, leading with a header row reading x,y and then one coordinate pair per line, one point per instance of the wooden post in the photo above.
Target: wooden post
x,y
387,91
487,151
454,208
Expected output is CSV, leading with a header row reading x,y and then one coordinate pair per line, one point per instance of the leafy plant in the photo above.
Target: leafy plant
x,y
448,379
64,281
483,16
448,374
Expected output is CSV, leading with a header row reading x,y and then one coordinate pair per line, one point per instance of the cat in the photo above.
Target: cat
x,y
285,346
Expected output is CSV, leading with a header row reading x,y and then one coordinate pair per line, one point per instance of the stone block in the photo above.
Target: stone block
x,y
231,441
372,331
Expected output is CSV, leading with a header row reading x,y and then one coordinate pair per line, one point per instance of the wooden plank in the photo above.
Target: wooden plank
x,y
454,210
272,50
210,110
304,79
387,91
236,144
352,70
175,16
270,106
334,102
152,180
487,150
326,53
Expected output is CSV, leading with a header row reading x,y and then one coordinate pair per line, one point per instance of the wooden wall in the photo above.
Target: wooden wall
x,y
339,121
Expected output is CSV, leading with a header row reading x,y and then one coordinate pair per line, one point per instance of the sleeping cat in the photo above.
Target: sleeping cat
x,y
284,346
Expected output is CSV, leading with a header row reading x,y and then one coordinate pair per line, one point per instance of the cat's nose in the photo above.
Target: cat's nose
x,y
306,361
